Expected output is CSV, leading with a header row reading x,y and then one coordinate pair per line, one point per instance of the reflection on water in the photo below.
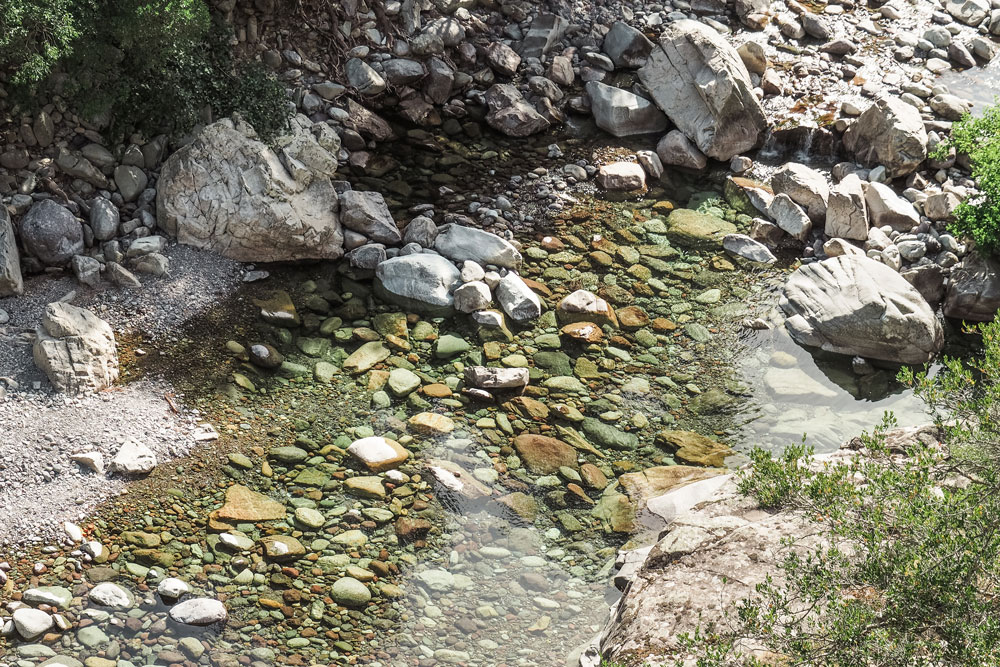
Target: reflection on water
x,y
980,85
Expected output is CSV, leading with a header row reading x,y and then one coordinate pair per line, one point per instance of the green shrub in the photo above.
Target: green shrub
x,y
908,570
149,65
978,217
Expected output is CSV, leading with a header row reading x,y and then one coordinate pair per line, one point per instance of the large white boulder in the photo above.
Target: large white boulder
x,y
856,306
422,282
701,83
75,349
890,133
230,193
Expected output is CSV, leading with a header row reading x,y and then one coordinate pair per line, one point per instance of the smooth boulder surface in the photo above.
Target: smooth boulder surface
x,y
367,213
199,611
75,349
974,289
890,133
422,282
622,113
460,243
230,193
856,306
701,83
11,282
50,233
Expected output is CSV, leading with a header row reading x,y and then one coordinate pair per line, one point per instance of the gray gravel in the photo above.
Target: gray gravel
x,y
40,487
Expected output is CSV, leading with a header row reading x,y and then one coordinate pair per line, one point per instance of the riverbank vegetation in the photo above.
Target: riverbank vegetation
x,y
978,217
908,570
153,66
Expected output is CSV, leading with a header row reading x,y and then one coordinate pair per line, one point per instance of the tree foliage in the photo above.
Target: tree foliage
x,y
152,65
978,217
908,568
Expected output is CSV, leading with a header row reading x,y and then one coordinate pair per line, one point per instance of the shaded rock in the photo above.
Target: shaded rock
x,y
974,289
889,133
511,114
11,282
677,150
367,213
621,176
627,47
50,233
697,230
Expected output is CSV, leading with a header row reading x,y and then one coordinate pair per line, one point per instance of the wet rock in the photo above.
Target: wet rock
x,y
889,133
378,454
366,356
423,283
856,306
460,243
974,289
693,448
349,592
743,246
697,230
724,119
243,504
50,233
230,193
199,611
75,349
622,113
543,455
677,150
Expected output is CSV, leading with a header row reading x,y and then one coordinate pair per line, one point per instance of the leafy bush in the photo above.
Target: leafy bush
x,y
978,217
908,570
152,65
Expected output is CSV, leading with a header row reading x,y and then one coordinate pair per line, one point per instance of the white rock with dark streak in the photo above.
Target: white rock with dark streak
x,y
11,282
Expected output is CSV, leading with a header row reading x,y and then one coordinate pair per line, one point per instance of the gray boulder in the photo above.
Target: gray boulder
x,y
890,133
511,114
75,349
11,282
859,307
846,211
403,71
622,113
424,283
422,231
230,193
677,150
743,246
969,12
104,219
806,186
627,47
885,207
366,213
701,83
50,233
460,243
361,76
974,289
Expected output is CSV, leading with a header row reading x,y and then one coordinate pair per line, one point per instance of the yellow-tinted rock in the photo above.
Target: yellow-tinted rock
x,y
430,423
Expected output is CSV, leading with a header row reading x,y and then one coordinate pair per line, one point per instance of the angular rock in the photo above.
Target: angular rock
x,y
885,207
859,307
511,114
627,47
517,299
134,458
790,217
846,212
75,349
743,246
502,59
621,113
543,455
697,230
230,193
461,243
677,150
621,176
702,85
362,77
367,213
472,296
889,133
423,283
245,505
806,186
693,448
585,306
974,289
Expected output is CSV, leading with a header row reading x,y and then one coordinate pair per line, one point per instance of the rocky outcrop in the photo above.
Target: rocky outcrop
x,y
889,133
856,306
701,83
974,289
10,261
75,349
230,193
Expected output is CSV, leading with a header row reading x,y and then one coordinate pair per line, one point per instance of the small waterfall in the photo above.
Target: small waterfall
x,y
808,144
